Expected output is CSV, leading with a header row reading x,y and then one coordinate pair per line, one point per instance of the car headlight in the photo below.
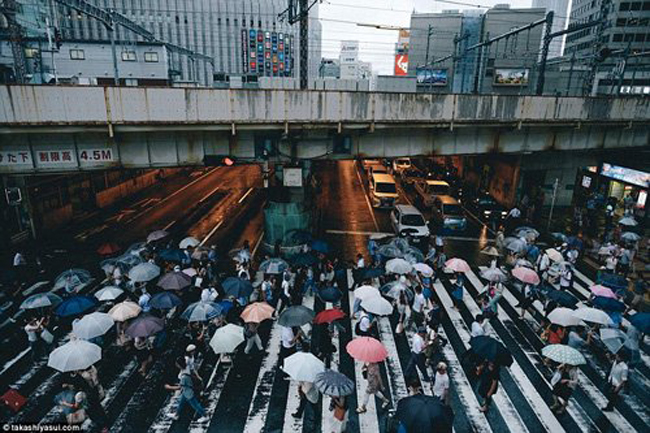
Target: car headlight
x,y
504,213
487,212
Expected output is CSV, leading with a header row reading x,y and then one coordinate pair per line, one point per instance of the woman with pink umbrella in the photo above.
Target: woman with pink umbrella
x,y
371,352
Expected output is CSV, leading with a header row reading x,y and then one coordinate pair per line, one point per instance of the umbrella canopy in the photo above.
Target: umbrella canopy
x,y
92,325
603,291
554,255
523,263
173,255
174,281
157,235
296,315
72,279
607,250
189,242
377,305
627,221
226,305
273,266
75,305
330,294
564,317
526,275
563,354
515,245
257,312
630,237
608,304
560,237
593,315
165,301
41,300
145,326
108,293
237,287
320,246
365,292
457,265
613,339
424,413
494,275
328,316
563,298
74,355
395,288
201,311
227,338
303,366
124,311
398,266
366,349
526,232
200,253
190,272
333,383
108,249
144,272
491,349
304,259
390,251
490,251
641,321
368,273
424,269
413,255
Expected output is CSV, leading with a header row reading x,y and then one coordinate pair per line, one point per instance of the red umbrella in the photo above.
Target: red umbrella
x,y
367,349
526,275
108,249
328,316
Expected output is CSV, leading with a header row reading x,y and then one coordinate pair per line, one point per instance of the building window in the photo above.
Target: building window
x,y
77,54
151,57
646,6
636,6
131,82
625,6
639,37
129,56
30,53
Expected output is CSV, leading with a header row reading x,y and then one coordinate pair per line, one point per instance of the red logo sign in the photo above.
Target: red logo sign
x,y
401,64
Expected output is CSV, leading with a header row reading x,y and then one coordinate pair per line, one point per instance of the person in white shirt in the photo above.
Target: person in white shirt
x,y
19,260
289,337
418,344
616,380
566,278
417,308
441,383
572,256
365,323
209,294
308,394
477,326
611,262
543,263
361,263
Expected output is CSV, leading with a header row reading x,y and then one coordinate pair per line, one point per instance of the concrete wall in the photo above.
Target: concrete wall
x,y
112,195
396,84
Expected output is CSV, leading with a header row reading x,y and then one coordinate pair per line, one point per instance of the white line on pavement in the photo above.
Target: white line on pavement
x,y
245,195
205,239
365,195
169,225
212,400
360,233
205,197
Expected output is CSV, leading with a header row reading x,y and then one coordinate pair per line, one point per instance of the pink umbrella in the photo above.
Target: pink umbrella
x,y
457,265
526,275
603,291
367,349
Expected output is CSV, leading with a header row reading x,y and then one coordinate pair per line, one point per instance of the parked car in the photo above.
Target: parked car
x,y
406,219
448,214
383,190
428,190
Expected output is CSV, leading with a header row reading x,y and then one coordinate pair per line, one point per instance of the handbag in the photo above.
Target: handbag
x,y
339,412
556,378
13,399
47,336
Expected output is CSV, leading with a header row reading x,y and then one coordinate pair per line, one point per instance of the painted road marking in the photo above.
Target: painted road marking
x,y
209,194
205,239
365,195
245,195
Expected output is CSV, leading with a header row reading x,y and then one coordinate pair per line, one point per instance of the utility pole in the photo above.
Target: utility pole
x,y
110,28
304,44
603,23
568,84
550,214
9,8
426,56
621,75
545,47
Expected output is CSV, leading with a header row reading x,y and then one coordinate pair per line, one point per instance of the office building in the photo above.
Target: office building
x,y
329,68
561,11
349,60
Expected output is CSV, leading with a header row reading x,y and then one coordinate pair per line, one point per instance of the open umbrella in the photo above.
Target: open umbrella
x,y
72,280
563,298
377,305
395,288
593,315
607,250
560,237
641,321
226,305
304,259
494,275
627,221
145,326
173,255
564,317
227,338
526,232
490,251
189,242
526,275
124,311
108,249
273,266
333,383
190,272
424,269
174,281
108,293
75,355
630,237
41,300
424,413
563,354
201,311
303,366
515,245
257,312
165,301
457,265
237,287
92,325
366,349
320,246
608,304
413,255
398,266
390,251
554,255
613,339
603,291
328,316
75,305
200,253
491,349
157,235
368,273
365,292
330,294
296,315
144,272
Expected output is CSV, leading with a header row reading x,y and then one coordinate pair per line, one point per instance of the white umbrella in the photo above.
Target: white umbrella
x,y
190,272
74,355
494,275
564,317
398,266
227,338
157,235
108,293
614,339
630,237
377,305
303,366
490,251
457,265
607,250
554,255
515,245
92,325
593,315
144,272
188,242
124,311
628,221
563,354
424,269
366,292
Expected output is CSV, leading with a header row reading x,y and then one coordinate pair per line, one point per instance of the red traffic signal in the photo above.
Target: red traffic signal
x,y
219,160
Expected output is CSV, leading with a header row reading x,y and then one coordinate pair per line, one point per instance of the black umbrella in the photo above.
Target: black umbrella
x,y
333,383
490,349
237,287
424,413
608,304
296,315
371,273
565,299
330,294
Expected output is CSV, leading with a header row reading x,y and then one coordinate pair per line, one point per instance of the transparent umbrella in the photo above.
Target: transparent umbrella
x,y
41,300
398,266
628,221
72,280
273,266
144,272
613,339
157,235
189,242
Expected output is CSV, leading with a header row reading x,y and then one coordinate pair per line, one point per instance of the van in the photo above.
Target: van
x,y
428,190
401,164
406,219
448,213
383,190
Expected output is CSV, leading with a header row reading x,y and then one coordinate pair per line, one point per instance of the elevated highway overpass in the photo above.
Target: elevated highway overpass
x,y
59,129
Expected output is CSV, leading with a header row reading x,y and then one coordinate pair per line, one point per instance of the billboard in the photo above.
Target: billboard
x,y
635,177
511,77
401,64
434,77
267,53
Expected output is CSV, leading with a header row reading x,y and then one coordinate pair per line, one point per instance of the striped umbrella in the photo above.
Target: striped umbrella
x,y
333,383
563,354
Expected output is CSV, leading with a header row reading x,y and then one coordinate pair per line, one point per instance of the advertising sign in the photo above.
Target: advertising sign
x,y
401,64
15,157
635,177
292,176
511,77
434,77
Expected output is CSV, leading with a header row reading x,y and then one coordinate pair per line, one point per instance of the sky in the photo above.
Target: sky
x,y
378,46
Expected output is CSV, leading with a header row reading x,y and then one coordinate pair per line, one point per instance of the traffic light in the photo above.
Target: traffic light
x,y
14,196
219,160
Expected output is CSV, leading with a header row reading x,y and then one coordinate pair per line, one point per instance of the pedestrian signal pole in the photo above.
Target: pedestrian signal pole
x,y
550,214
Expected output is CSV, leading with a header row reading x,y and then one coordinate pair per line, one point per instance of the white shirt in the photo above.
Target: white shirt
x,y
418,303
19,260
610,263
209,294
477,329
286,287
361,263
364,323
565,278
417,343
441,385
31,331
618,374
544,261
287,337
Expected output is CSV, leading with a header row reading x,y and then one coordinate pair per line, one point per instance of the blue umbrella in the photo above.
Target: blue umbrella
x,y
237,287
225,305
304,259
330,294
565,299
560,236
320,246
173,255
608,304
372,273
75,305
165,301
641,321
